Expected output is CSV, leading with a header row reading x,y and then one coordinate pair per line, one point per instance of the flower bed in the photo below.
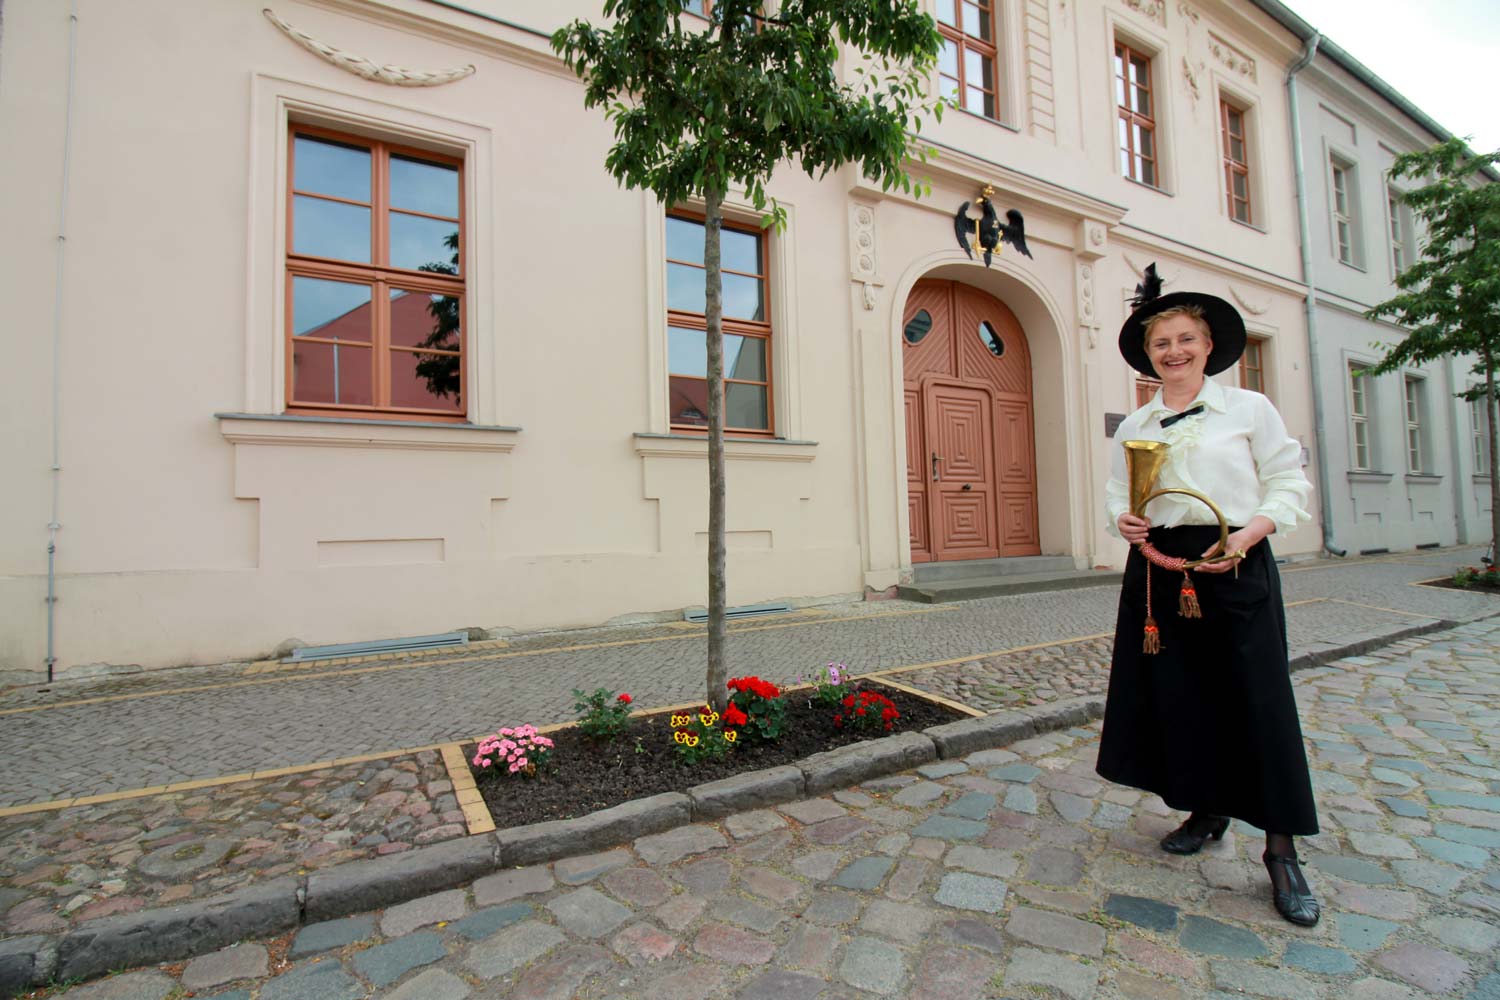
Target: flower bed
x,y
1478,579
582,775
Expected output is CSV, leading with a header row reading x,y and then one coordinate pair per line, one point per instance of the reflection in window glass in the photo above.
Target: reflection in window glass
x,y
424,319
424,187
332,373
425,381
421,244
745,406
917,327
740,251
330,229
991,339
742,297
685,288
687,354
684,240
330,310
688,401
331,168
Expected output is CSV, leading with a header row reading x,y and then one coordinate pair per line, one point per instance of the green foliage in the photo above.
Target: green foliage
x,y
1449,300
699,736
602,715
1476,576
700,108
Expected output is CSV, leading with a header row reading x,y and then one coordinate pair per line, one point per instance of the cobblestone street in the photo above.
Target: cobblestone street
x,y
1011,873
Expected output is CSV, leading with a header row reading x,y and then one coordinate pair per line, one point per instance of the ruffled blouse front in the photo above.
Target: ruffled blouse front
x,y
1236,452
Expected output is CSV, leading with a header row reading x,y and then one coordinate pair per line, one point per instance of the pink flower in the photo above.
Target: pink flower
x,y
483,763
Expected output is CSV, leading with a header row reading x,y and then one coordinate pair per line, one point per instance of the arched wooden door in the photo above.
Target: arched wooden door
x,y
970,457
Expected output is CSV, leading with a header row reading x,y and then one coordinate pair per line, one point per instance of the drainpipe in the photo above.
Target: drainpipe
x,y
57,304
1310,300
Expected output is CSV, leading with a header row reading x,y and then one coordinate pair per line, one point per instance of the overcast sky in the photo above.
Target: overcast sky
x,y
1439,54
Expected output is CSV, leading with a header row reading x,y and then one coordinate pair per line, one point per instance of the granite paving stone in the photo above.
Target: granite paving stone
x,y
243,961
858,893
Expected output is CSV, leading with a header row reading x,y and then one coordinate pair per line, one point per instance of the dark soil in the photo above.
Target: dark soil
x,y
586,776
1474,588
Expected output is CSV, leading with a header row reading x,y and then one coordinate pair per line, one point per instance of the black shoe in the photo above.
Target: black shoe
x,y
1189,837
1294,900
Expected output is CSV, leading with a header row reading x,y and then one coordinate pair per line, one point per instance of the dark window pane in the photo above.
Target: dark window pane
x,y
745,406
330,310
330,229
424,187
425,381
423,244
688,401
1148,172
977,21
1145,142
1240,190
687,352
742,297
684,240
739,251
331,373
331,168
744,357
685,288
424,319
1236,150
990,339
917,327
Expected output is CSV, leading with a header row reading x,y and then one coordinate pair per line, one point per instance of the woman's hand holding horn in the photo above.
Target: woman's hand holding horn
x,y
1133,529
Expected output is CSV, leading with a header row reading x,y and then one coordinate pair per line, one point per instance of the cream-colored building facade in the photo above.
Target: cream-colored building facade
x,y
199,521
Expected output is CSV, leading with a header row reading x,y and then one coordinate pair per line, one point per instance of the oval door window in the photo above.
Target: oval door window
x,y
917,326
991,339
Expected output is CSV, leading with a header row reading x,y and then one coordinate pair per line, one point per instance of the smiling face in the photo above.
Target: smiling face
x,y
1178,345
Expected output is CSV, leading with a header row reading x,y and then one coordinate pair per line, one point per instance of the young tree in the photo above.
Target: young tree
x,y
1450,298
700,108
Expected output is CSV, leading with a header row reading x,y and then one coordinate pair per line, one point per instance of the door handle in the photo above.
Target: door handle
x,y
936,458
968,486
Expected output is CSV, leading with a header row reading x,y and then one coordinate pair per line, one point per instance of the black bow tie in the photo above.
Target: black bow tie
x,y
1191,411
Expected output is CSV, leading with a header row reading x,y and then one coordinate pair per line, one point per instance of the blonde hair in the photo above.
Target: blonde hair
x,y
1192,312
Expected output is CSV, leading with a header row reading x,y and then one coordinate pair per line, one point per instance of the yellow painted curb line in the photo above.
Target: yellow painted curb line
x,y
929,696
476,813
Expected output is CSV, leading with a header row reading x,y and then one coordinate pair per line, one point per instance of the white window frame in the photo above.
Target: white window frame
x,y
1400,231
1414,413
1480,435
1360,435
1343,209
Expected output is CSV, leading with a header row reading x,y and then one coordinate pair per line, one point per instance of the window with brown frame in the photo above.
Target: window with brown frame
x,y
969,63
374,279
1137,115
1236,161
1252,365
747,327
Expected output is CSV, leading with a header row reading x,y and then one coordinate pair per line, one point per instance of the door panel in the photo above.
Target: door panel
x,y
968,403
960,436
916,478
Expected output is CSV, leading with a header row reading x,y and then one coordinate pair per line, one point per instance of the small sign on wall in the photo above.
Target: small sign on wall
x,y
1112,423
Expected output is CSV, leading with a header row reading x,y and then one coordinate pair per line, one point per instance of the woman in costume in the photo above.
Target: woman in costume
x,y
1200,708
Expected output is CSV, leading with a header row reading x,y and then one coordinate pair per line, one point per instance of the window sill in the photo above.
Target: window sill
x,y
1369,476
1351,265
649,445
1481,477
1149,187
1249,225
296,430
1429,478
986,119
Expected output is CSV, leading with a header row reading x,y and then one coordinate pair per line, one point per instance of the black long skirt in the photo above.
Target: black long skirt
x,y
1209,722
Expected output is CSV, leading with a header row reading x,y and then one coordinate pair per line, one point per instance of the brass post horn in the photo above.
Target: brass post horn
x,y
1143,464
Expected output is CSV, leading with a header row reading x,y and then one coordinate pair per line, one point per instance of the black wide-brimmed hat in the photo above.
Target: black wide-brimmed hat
x,y
1226,324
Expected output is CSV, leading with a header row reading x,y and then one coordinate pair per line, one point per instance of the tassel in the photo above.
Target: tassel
x,y
1152,643
1187,601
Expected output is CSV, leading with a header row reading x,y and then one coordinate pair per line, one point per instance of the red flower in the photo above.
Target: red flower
x,y
624,699
734,717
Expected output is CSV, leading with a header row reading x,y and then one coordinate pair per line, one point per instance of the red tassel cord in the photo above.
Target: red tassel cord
x,y
1152,642
1187,601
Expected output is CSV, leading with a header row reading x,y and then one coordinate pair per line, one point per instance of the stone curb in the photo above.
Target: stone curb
x,y
197,928
177,932
539,842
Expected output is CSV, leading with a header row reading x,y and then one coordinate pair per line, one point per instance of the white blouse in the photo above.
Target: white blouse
x,y
1236,452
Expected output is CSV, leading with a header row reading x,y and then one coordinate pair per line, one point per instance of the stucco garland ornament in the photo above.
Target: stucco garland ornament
x,y
397,76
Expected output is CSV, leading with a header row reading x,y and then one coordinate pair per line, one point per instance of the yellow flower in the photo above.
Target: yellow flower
x,y
731,735
709,717
679,736
681,720
692,740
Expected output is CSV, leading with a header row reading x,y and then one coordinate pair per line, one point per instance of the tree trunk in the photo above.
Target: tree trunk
x,y
713,210
1489,417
